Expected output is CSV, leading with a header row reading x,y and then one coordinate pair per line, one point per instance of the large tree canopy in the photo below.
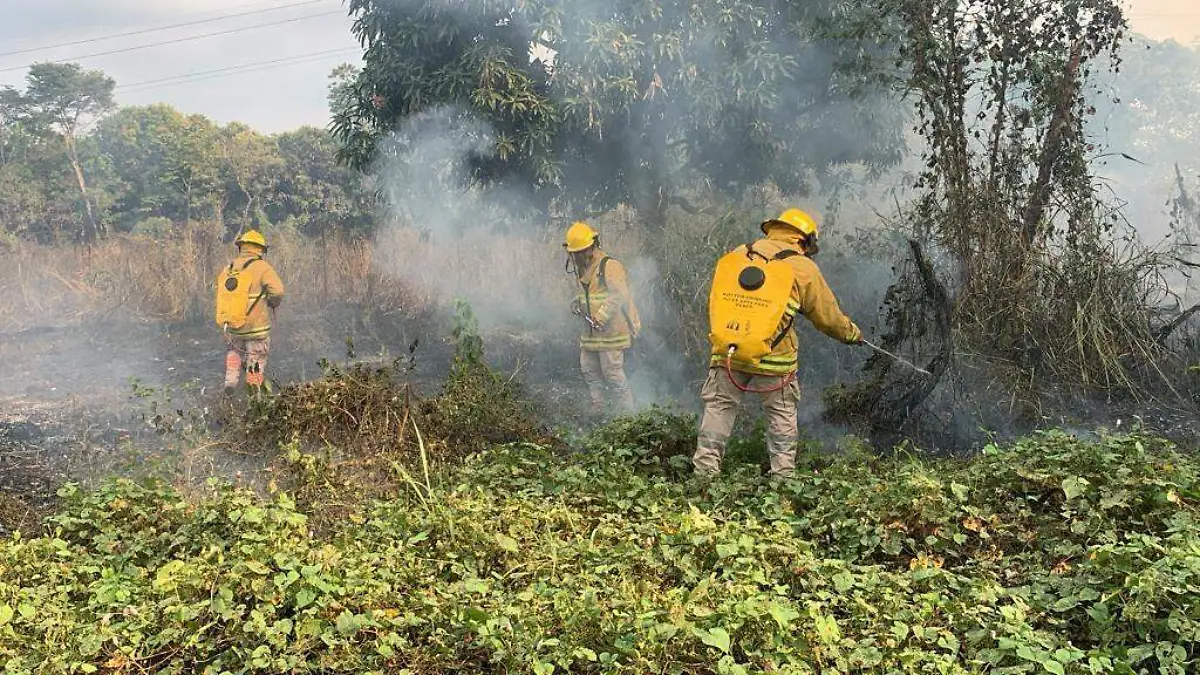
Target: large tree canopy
x,y
625,101
151,168
64,99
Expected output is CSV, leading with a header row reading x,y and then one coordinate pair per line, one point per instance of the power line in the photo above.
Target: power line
x,y
104,38
232,70
190,38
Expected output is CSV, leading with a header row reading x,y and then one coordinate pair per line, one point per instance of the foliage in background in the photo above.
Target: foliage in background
x,y
60,102
61,178
1008,191
627,103
1056,555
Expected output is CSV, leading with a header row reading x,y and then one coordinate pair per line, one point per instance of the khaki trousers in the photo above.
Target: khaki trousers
x,y
721,400
604,373
250,353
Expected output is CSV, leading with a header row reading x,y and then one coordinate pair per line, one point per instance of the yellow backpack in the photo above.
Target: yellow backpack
x,y
233,296
748,303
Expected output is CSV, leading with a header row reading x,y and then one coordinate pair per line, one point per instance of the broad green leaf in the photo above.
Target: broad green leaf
x,y
305,597
827,629
843,581
348,623
714,637
727,550
1075,486
1053,666
783,614
507,543
167,577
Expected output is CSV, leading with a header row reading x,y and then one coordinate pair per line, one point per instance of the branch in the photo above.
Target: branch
x,y
1165,331
1034,210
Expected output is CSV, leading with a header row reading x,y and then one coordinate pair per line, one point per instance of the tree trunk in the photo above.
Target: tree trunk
x,y
1039,197
187,204
93,230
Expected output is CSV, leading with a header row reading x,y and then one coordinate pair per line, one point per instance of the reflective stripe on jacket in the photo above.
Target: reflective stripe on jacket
x,y
264,285
811,297
609,303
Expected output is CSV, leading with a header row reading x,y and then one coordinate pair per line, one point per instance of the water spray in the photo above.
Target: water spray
x,y
896,358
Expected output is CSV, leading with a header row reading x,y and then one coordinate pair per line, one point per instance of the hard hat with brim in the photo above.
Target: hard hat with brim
x,y
253,237
580,237
794,219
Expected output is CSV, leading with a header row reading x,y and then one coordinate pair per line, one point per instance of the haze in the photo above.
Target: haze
x,y
285,66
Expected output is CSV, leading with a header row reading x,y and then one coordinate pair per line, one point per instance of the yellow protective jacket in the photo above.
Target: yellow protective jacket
x,y
610,303
264,282
811,297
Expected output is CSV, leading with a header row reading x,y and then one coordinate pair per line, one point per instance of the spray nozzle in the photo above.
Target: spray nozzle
x,y
896,358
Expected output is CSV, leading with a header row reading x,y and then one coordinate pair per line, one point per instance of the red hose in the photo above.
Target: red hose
x,y
751,390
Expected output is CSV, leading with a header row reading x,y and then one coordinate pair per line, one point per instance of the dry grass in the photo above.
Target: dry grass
x,y
171,281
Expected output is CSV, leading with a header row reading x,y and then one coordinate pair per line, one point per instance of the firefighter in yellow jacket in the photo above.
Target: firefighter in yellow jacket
x,y
248,291
791,240
605,306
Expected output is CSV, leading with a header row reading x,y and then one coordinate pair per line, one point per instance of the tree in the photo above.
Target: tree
x,y
1045,279
65,99
37,184
249,162
626,101
1149,118
313,189
164,163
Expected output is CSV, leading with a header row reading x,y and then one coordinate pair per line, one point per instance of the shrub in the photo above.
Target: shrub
x,y
1054,555
362,431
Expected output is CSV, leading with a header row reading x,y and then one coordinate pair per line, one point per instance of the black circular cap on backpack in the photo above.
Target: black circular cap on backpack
x,y
752,278
231,284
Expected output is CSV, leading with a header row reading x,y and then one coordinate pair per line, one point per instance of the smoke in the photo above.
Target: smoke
x,y
491,245
497,245
455,238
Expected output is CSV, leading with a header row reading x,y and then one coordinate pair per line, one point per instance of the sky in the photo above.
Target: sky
x,y
293,57
288,62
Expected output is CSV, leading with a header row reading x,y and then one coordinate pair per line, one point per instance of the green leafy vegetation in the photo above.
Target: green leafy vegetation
x,y
1055,555
73,166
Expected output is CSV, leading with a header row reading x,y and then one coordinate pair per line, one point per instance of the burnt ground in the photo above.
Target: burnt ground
x,y
82,402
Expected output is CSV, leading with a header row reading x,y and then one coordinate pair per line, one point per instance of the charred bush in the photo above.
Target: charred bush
x,y
478,407
361,431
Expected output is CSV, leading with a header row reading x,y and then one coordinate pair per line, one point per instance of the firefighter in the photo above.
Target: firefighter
x,y
248,291
742,286
609,318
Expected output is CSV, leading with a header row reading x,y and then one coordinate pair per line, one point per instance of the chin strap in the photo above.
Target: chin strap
x,y
751,390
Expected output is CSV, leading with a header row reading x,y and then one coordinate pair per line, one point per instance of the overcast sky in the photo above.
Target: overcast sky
x,y
279,96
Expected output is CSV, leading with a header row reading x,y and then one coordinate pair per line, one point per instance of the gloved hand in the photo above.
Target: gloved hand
x,y
274,301
856,336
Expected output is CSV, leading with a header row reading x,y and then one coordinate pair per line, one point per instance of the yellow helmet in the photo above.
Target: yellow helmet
x,y
580,237
251,237
797,220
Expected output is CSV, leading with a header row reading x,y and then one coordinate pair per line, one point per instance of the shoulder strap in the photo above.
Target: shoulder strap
x,y
249,262
787,253
603,279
